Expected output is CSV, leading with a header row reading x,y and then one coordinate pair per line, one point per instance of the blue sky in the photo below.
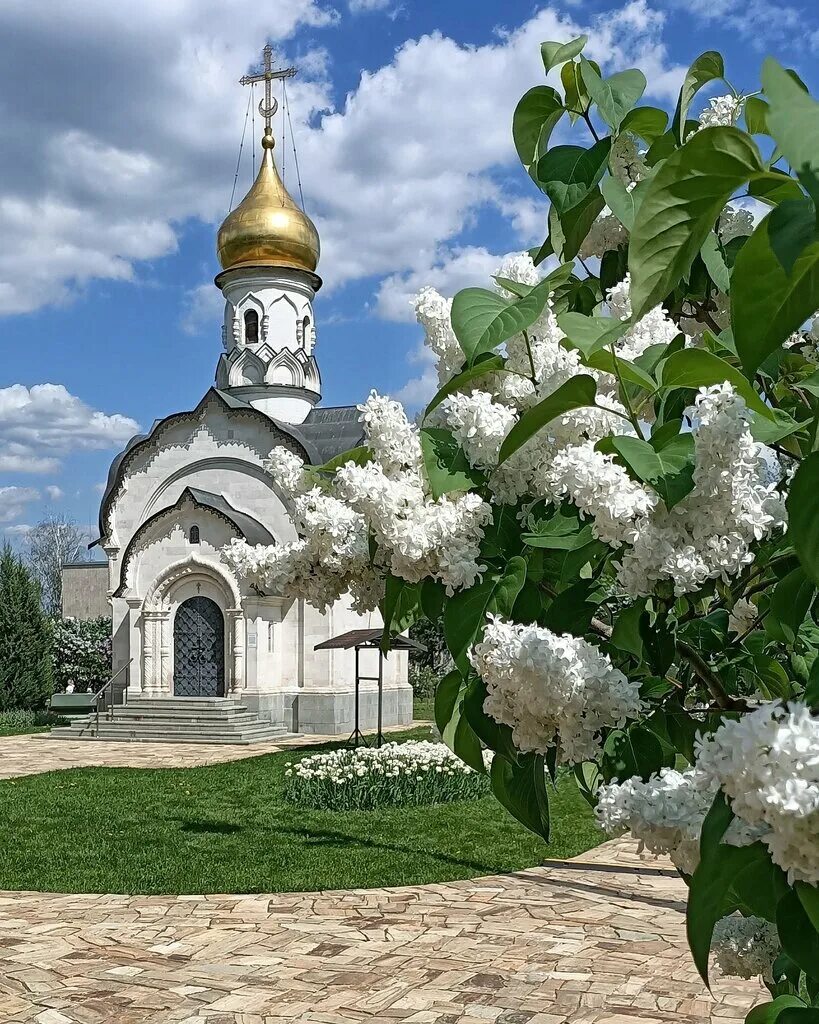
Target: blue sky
x,y
120,160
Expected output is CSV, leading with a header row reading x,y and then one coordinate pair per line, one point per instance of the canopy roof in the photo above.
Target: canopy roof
x,y
367,638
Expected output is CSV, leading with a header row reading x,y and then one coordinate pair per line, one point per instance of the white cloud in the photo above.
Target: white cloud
x,y
202,309
54,492
17,530
101,180
365,6
44,422
13,502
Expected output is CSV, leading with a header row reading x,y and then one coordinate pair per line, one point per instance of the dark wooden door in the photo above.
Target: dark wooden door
x,y
199,649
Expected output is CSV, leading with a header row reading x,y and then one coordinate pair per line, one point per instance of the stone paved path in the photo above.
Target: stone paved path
x,y
37,753
599,940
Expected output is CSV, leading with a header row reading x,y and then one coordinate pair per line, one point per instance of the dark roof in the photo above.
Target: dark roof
x,y
333,430
250,528
367,638
325,433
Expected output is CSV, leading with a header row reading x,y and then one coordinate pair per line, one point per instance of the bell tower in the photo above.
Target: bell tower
x,y
269,250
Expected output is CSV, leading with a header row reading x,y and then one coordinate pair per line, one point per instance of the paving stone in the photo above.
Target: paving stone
x,y
596,940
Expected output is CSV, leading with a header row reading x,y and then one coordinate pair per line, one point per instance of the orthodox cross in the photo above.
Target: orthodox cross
x,y
267,106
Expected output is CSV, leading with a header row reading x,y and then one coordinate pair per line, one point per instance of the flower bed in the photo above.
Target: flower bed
x,y
395,775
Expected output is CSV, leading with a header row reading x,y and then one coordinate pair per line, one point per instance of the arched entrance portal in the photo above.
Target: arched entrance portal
x,y
199,649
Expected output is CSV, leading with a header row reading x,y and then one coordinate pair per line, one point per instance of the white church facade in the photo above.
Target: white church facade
x,y
184,625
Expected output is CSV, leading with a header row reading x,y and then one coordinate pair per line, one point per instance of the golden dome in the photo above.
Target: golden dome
x,y
267,229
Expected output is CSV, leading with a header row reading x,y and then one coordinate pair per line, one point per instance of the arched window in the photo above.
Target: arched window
x,y
193,535
251,327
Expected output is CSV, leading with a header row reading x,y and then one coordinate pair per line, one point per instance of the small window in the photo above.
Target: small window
x,y
193,536
251,327
271,638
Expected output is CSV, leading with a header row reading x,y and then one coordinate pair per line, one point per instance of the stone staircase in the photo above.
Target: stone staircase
x,y
175,720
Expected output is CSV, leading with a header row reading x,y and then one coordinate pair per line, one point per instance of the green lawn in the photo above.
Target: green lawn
x,y
10,730
225,828
423,709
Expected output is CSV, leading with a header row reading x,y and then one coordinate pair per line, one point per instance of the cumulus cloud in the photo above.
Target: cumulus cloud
x,y
364,6
54,492
42,423
13,502
101,180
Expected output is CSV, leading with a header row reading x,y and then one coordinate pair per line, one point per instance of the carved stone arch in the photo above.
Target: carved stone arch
x,y
249,301
285,369
312,378
247,368
192,564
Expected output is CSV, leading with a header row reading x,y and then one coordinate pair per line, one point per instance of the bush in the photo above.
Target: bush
x,y
25,663
24,719
395,775
81,653
423,681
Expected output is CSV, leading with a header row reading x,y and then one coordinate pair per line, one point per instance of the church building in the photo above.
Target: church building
x,y
185,628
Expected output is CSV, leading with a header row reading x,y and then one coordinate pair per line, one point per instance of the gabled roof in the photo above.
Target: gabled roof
x,y
324,434
249,527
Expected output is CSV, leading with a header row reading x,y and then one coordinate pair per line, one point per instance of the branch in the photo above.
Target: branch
x,y
710,678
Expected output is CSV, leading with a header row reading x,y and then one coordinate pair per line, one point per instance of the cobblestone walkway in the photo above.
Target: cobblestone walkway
x,y
599,940
37,753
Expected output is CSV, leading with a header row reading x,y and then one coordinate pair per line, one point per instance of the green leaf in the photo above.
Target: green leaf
x,y
568,232
790,602
774,187
631,372
756,115
681,203
625,635
491,364
452,723
714,262
401,607
574,89
482,320
614,96
696,368
710,883
793,121
809,898
577,392
494,735
558,53
647,122
590,333
797,934
359,455
622,203
572,610
445,463
769,431
792,228
771,1013
706,68
433,597
568,173
521,789
560,533
670,471
636,751
768,305
534,119
799,1015
803,515
465,613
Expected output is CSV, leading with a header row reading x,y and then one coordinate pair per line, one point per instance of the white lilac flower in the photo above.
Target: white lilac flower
x,y
518,267
627,162
742,616
745,947
734,222
432,311
605,233
479,424
767,763
550,688
665,814
393,440
721,112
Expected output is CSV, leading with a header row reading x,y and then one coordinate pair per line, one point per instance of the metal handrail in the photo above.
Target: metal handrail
x,y
107,692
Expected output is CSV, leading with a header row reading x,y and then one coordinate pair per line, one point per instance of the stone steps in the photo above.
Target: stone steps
x,y
175,720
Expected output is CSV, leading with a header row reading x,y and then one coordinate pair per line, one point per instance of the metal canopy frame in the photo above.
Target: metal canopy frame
x,y
367,640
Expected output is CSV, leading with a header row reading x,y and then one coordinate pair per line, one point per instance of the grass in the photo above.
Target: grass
x,y
226,828
423,709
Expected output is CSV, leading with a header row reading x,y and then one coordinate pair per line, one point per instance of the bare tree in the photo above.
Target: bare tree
x,y
50,544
